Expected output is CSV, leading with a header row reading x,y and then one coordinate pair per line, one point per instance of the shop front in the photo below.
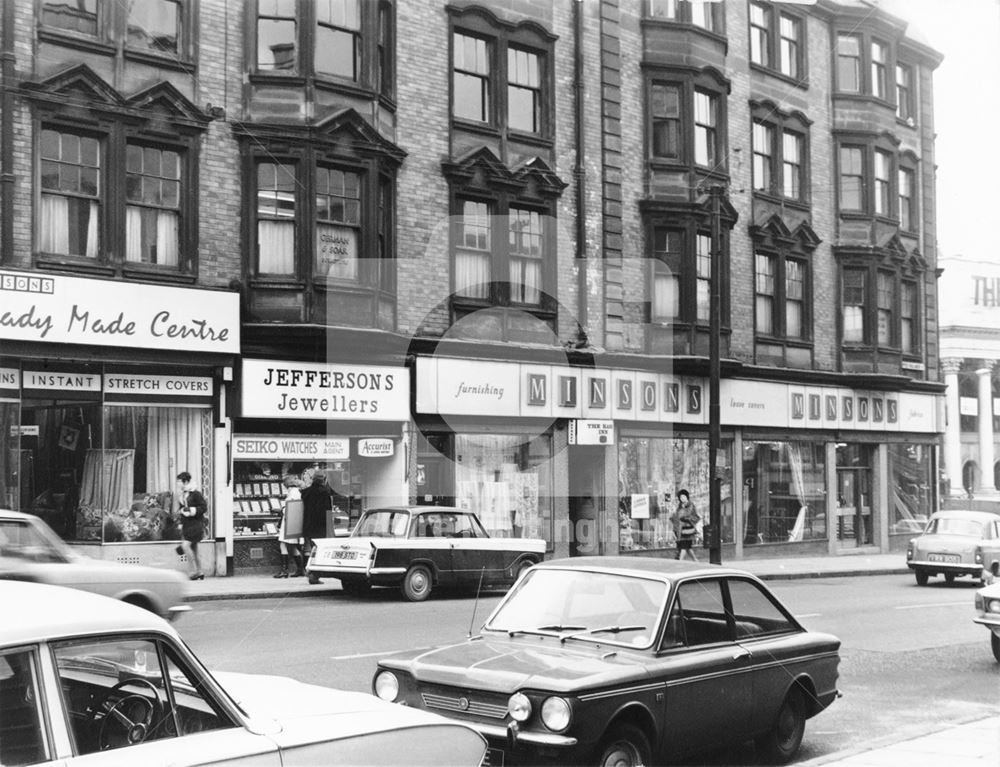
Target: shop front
x,y
101,408
346,422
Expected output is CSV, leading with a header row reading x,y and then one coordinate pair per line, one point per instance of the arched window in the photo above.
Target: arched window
x,y
969,476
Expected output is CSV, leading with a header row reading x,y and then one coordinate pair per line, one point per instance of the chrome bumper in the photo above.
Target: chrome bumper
x,y
175,612
512,735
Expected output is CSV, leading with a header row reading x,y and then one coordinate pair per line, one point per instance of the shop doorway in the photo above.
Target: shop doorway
x,y
586,500
854,495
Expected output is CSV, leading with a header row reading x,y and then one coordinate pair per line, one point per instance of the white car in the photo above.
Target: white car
x,y
988,614
89,681
954,543
30,551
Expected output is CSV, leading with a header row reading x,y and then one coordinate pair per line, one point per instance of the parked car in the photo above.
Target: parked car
x,y
30,551
626,661
955,543
91,681
420,547
988,614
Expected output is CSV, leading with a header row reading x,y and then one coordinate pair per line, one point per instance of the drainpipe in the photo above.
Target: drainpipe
x,y
579,174
7,133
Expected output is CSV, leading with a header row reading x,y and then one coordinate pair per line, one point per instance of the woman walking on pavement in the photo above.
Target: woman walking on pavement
x,y
290,545
193,508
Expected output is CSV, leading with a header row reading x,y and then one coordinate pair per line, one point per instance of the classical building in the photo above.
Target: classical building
x,y
462,253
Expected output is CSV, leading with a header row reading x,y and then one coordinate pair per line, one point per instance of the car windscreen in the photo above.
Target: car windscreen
x,y
20,539
598,606
956,526
383,523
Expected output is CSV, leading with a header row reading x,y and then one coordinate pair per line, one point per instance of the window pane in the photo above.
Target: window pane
x,y
276,44
904,89
791,159
762,136
154,24
703,269
665,105
851,178
883,162
848,63
705,122
789,53
473,257
879,57
337,52
23,740
760,26
663,9
526,241
853,301
69,220
72,15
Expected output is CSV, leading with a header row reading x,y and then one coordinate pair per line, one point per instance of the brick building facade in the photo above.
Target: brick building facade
x,y
460,253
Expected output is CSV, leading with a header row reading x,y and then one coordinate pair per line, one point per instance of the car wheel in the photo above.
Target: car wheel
x,y
995,644
921,577
521,569
782,741
417,583
355,587
624,746
949,578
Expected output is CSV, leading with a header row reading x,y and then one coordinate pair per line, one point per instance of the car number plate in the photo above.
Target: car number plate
x,y
340,554
943,557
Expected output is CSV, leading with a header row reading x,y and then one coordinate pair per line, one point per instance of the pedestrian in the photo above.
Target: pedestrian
x,y
317,502
290,545
685,521
192,507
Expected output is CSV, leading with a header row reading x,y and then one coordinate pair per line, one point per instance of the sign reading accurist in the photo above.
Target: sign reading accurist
x,y
78,310
282,389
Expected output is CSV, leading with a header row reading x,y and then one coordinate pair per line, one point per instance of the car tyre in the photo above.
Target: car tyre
x,y
522,568
625,745
995,644
949,578
921,577
417,583
780,744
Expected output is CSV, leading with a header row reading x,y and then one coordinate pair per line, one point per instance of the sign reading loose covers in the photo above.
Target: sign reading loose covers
x,y
79,310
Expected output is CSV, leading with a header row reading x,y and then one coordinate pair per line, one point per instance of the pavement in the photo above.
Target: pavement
x,y
969,744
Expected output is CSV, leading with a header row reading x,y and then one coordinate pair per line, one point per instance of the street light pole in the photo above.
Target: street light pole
x,y
713,537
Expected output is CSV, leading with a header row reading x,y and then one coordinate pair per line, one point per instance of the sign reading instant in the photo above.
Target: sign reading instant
x,y
265,447
79,310
45,379
280,389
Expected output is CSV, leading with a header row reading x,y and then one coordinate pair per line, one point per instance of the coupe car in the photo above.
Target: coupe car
x,y
417,548
626,661
87,680
31,551
988,614
956,543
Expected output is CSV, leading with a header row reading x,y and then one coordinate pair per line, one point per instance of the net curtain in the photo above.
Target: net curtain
x,y
173,445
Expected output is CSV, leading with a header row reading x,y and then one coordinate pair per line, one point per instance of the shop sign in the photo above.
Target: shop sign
x,y
591,432
266,447
62,381
28,430
640,506
80,310
10,378
282,389
375,447
968,406
184,386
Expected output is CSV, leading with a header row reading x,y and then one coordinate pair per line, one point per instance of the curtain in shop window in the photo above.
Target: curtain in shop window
x,y
485,477
276,247
56,224
108,479
173,445
472,274
794,453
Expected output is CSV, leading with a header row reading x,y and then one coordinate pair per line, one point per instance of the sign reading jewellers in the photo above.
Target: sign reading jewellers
x,y
78,310
282,389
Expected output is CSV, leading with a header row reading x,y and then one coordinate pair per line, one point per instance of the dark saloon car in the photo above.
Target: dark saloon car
x,y
626,661
419,547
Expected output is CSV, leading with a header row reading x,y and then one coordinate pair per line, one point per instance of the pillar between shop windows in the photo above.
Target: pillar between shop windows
x,y
953,429
985,423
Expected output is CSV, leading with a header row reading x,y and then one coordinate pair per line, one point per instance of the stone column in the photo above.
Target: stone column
x,y
985,420
953,431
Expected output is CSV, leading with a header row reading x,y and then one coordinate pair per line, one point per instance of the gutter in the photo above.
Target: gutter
x,y
7,73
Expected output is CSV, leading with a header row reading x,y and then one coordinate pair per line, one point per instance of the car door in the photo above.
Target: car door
x,y
25,734
431,545
135,699
706,673
472,557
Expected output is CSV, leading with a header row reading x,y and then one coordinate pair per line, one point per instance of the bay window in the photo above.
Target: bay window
x,y
137,30
849,63
686,121
705,126
472,79
881,305
681,276
777,41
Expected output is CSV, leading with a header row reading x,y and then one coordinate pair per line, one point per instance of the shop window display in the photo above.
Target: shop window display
x,y
651,472
507,480
259,494
911,484
784,492
108,473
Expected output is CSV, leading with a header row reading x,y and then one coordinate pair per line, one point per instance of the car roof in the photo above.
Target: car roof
x,y
34,612
668,569
980,516
423,509
16,514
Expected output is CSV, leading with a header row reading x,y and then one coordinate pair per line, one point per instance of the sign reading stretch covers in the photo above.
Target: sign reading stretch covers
x,y
77,310
281,389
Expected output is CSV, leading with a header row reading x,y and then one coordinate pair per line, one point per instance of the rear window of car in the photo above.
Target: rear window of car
x,y
755,612
956,526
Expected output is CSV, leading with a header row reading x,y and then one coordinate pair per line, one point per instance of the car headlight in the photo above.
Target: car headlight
x,y
519,707
386,686
556,714
993,605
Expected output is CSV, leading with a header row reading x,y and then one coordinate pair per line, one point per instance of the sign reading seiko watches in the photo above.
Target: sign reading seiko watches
x,y
282,389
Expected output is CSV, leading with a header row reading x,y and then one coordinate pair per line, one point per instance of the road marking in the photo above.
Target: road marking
x,y
936,604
